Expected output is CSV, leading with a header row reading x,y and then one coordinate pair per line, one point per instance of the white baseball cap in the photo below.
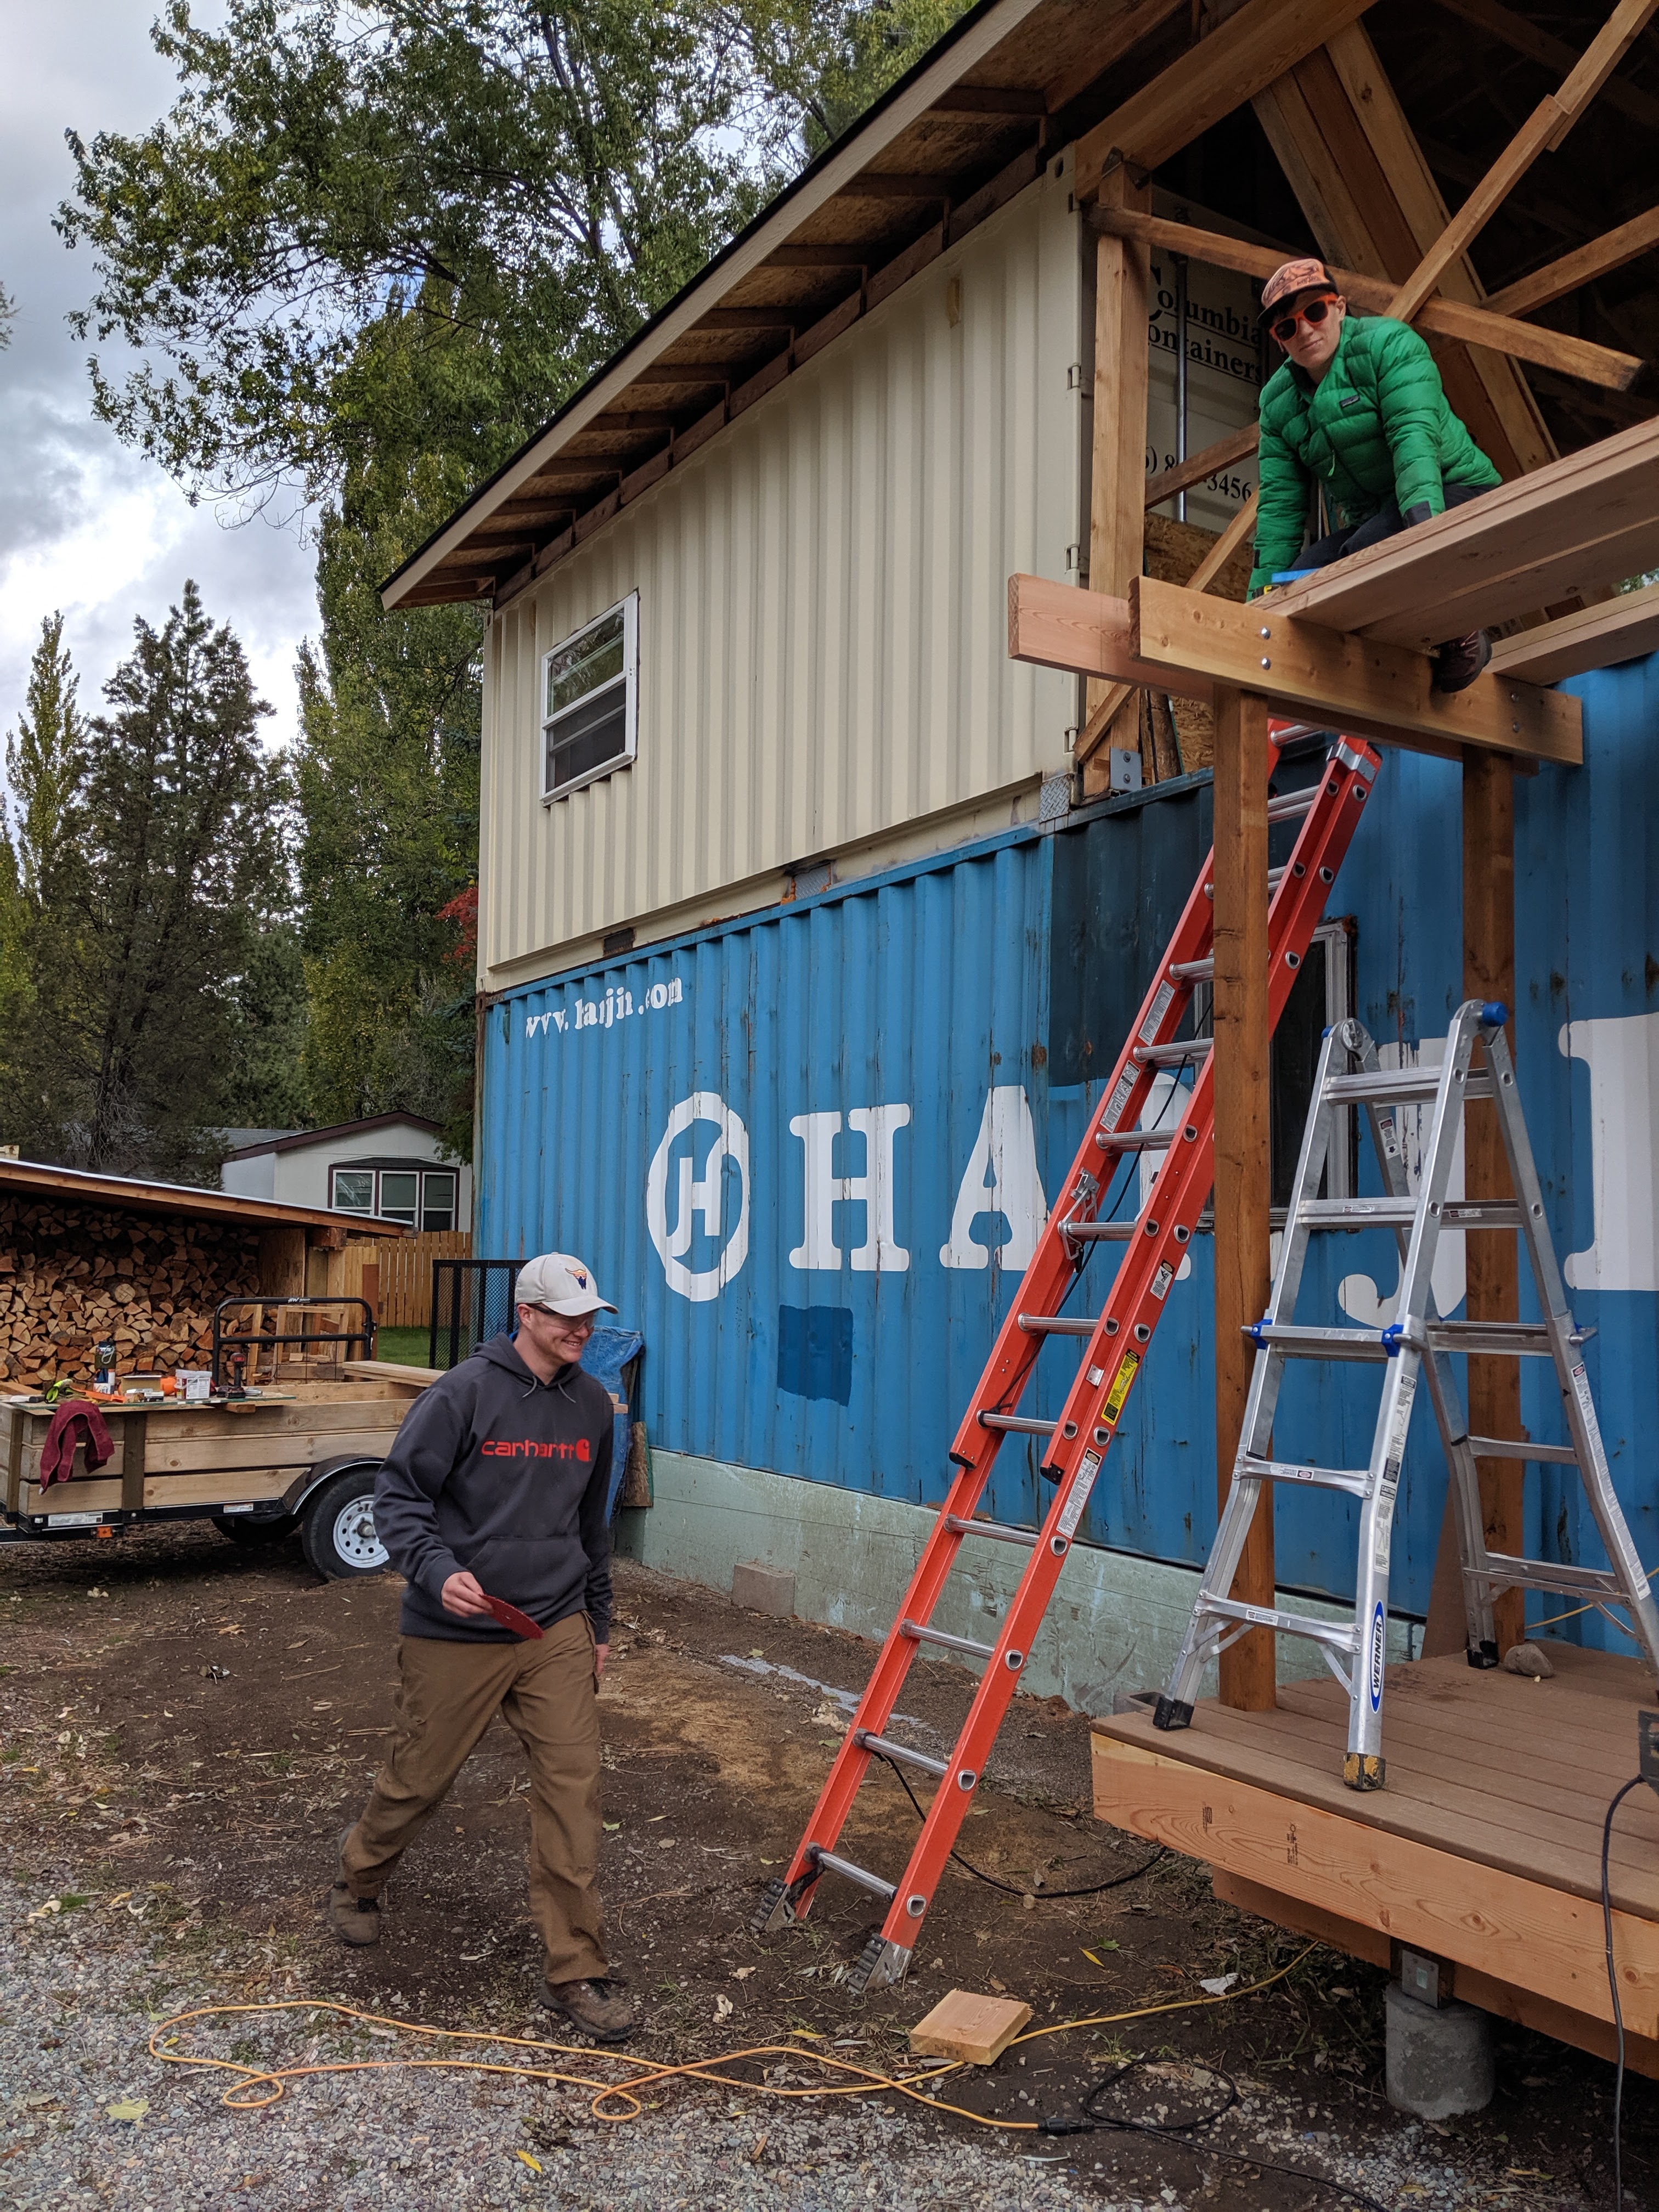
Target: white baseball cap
x,y
561,1283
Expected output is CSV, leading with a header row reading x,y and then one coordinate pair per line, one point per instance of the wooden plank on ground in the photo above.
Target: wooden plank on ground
x,y
1623,628
1579,525
1517,1930
965,2026
1242,55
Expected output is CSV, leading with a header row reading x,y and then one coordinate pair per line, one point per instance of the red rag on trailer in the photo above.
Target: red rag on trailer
x,y
75,1421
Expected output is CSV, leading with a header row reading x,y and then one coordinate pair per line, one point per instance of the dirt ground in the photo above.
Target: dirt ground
x,y
195,1721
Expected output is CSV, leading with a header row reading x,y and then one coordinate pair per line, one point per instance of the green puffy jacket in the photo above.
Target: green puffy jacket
x,y
1375,428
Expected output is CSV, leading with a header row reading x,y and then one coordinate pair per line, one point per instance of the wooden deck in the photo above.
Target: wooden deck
x,y
1484,1848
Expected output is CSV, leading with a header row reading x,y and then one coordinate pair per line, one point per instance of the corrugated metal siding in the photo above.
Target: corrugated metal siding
x,y
822,607
948,980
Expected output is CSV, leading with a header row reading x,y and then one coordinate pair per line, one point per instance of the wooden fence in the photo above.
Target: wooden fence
x,y
396,1276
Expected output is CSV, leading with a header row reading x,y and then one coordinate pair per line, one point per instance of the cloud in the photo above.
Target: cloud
x,y
86,525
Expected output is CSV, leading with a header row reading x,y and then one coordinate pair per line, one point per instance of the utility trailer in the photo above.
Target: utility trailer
x,y
302,1454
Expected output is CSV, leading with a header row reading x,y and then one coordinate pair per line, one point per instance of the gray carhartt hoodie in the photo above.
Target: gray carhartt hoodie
x,y
507,1477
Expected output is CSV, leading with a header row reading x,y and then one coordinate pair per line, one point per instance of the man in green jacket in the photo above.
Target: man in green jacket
x,y
1358,409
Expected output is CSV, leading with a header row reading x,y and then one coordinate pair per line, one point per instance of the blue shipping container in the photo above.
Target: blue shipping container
x,y
807,1151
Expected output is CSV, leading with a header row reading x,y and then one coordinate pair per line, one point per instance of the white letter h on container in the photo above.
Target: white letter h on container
x,y
880,1250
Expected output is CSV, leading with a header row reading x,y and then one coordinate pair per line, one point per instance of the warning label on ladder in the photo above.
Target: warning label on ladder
x,y
1120,1389
1072,1511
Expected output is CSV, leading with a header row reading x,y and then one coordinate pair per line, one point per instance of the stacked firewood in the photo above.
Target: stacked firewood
x,y
74,1277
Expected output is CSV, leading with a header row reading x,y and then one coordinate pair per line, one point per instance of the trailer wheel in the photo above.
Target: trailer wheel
x,y
337,1526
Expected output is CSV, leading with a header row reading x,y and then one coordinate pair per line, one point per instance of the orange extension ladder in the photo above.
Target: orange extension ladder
x,y
1116,1344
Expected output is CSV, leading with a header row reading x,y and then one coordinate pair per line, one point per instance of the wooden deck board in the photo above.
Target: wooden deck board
x,y
1448,1732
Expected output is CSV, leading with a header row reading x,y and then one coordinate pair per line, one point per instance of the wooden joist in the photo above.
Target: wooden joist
x,y
1452,319
1609,252
1242,56
1186,642
1598,636
1576,527
1525,37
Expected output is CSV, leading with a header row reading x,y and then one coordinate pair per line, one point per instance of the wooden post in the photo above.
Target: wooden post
x,y
1118,463
1243,1159
1492,1267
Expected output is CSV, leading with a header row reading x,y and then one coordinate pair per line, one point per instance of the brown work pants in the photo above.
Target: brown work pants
x,y
448,1694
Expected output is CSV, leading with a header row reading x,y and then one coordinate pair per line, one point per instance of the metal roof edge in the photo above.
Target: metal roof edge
x,y
978,31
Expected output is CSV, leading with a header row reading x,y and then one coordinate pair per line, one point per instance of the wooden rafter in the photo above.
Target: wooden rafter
x,y
1581,266
1598,636
1453,319
1542,47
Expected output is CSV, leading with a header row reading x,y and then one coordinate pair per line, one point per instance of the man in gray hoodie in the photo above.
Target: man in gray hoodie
x,y
496,1491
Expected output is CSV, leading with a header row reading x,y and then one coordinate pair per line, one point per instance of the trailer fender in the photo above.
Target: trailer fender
x,y
300,1488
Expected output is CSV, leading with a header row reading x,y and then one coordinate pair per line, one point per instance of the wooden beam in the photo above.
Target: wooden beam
x,y
1611,250
1185,474
1600,636
1244,1159
881,185
1117,476
753,318
1551,53
1587,521
1236,61
1368,192
1544,130
1179,640
1453,319
692,372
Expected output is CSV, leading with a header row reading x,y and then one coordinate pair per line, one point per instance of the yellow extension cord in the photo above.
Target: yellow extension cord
x,y
627,2093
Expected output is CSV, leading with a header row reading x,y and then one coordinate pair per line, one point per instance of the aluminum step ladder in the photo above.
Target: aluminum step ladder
x,y
1416,1341
1112,1346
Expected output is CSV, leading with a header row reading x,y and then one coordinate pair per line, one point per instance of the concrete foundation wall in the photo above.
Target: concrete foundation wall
x,y
1115,1624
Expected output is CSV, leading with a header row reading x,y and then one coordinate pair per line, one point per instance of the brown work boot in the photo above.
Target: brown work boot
x,y
1460,660
598,2008
354,1920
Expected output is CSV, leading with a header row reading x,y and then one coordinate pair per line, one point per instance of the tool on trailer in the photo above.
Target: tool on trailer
x,y
1417,1341
1145,1080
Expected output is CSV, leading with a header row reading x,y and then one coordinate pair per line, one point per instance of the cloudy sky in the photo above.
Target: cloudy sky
x,y
85,524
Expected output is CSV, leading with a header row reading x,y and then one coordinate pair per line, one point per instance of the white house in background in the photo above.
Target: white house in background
x,y
392,1165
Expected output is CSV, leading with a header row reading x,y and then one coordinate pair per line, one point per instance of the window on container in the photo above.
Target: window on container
x,y
589,706
438,1201
353,1190
399,1195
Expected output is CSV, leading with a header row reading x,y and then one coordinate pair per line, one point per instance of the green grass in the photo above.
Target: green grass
x,y
410,1347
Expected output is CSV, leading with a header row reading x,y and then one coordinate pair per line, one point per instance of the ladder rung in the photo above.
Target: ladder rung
x,y
1019,1424
1055,1325
1275,877
1547,1575
1134,1140
917,1634
1103,1232
1339,1635
1191,971
1171,1055
1401,1214
1511,1447
827,1863
994,1529
901,1752
1292,804
1525,1339
1353,1479
1395,1086
1299,1343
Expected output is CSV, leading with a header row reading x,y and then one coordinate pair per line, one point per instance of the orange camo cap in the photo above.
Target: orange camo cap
x,y
1293,277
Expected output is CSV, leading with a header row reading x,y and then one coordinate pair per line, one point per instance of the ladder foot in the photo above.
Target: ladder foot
x,y
1484,1654
776,1910
1171,1713
1363,1770
878,1964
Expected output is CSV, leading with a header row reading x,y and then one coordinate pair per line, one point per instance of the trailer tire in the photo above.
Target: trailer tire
x,y
337,1525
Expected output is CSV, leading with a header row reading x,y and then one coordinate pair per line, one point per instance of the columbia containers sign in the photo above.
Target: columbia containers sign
x,y
808,1152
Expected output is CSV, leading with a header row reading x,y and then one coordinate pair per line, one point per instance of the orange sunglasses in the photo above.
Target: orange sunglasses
x,y
1313,313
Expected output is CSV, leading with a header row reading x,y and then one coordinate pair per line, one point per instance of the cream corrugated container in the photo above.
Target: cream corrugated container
x,y
823,635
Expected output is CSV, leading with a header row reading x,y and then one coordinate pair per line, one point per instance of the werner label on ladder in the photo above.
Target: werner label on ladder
x,y
1416,1341
1155,1239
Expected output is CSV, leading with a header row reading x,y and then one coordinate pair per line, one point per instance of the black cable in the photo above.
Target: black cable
x,y
1635,1782
1178,2131
1015,1889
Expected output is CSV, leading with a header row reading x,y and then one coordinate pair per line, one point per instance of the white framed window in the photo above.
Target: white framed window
x,y
354,1190
421,1198
589,708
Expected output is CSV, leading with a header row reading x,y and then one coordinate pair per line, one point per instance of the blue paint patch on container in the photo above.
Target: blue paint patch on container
x,y
814,1353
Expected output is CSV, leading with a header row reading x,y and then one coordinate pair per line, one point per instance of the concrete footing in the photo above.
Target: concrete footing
x,y
760,1589
1438,2057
